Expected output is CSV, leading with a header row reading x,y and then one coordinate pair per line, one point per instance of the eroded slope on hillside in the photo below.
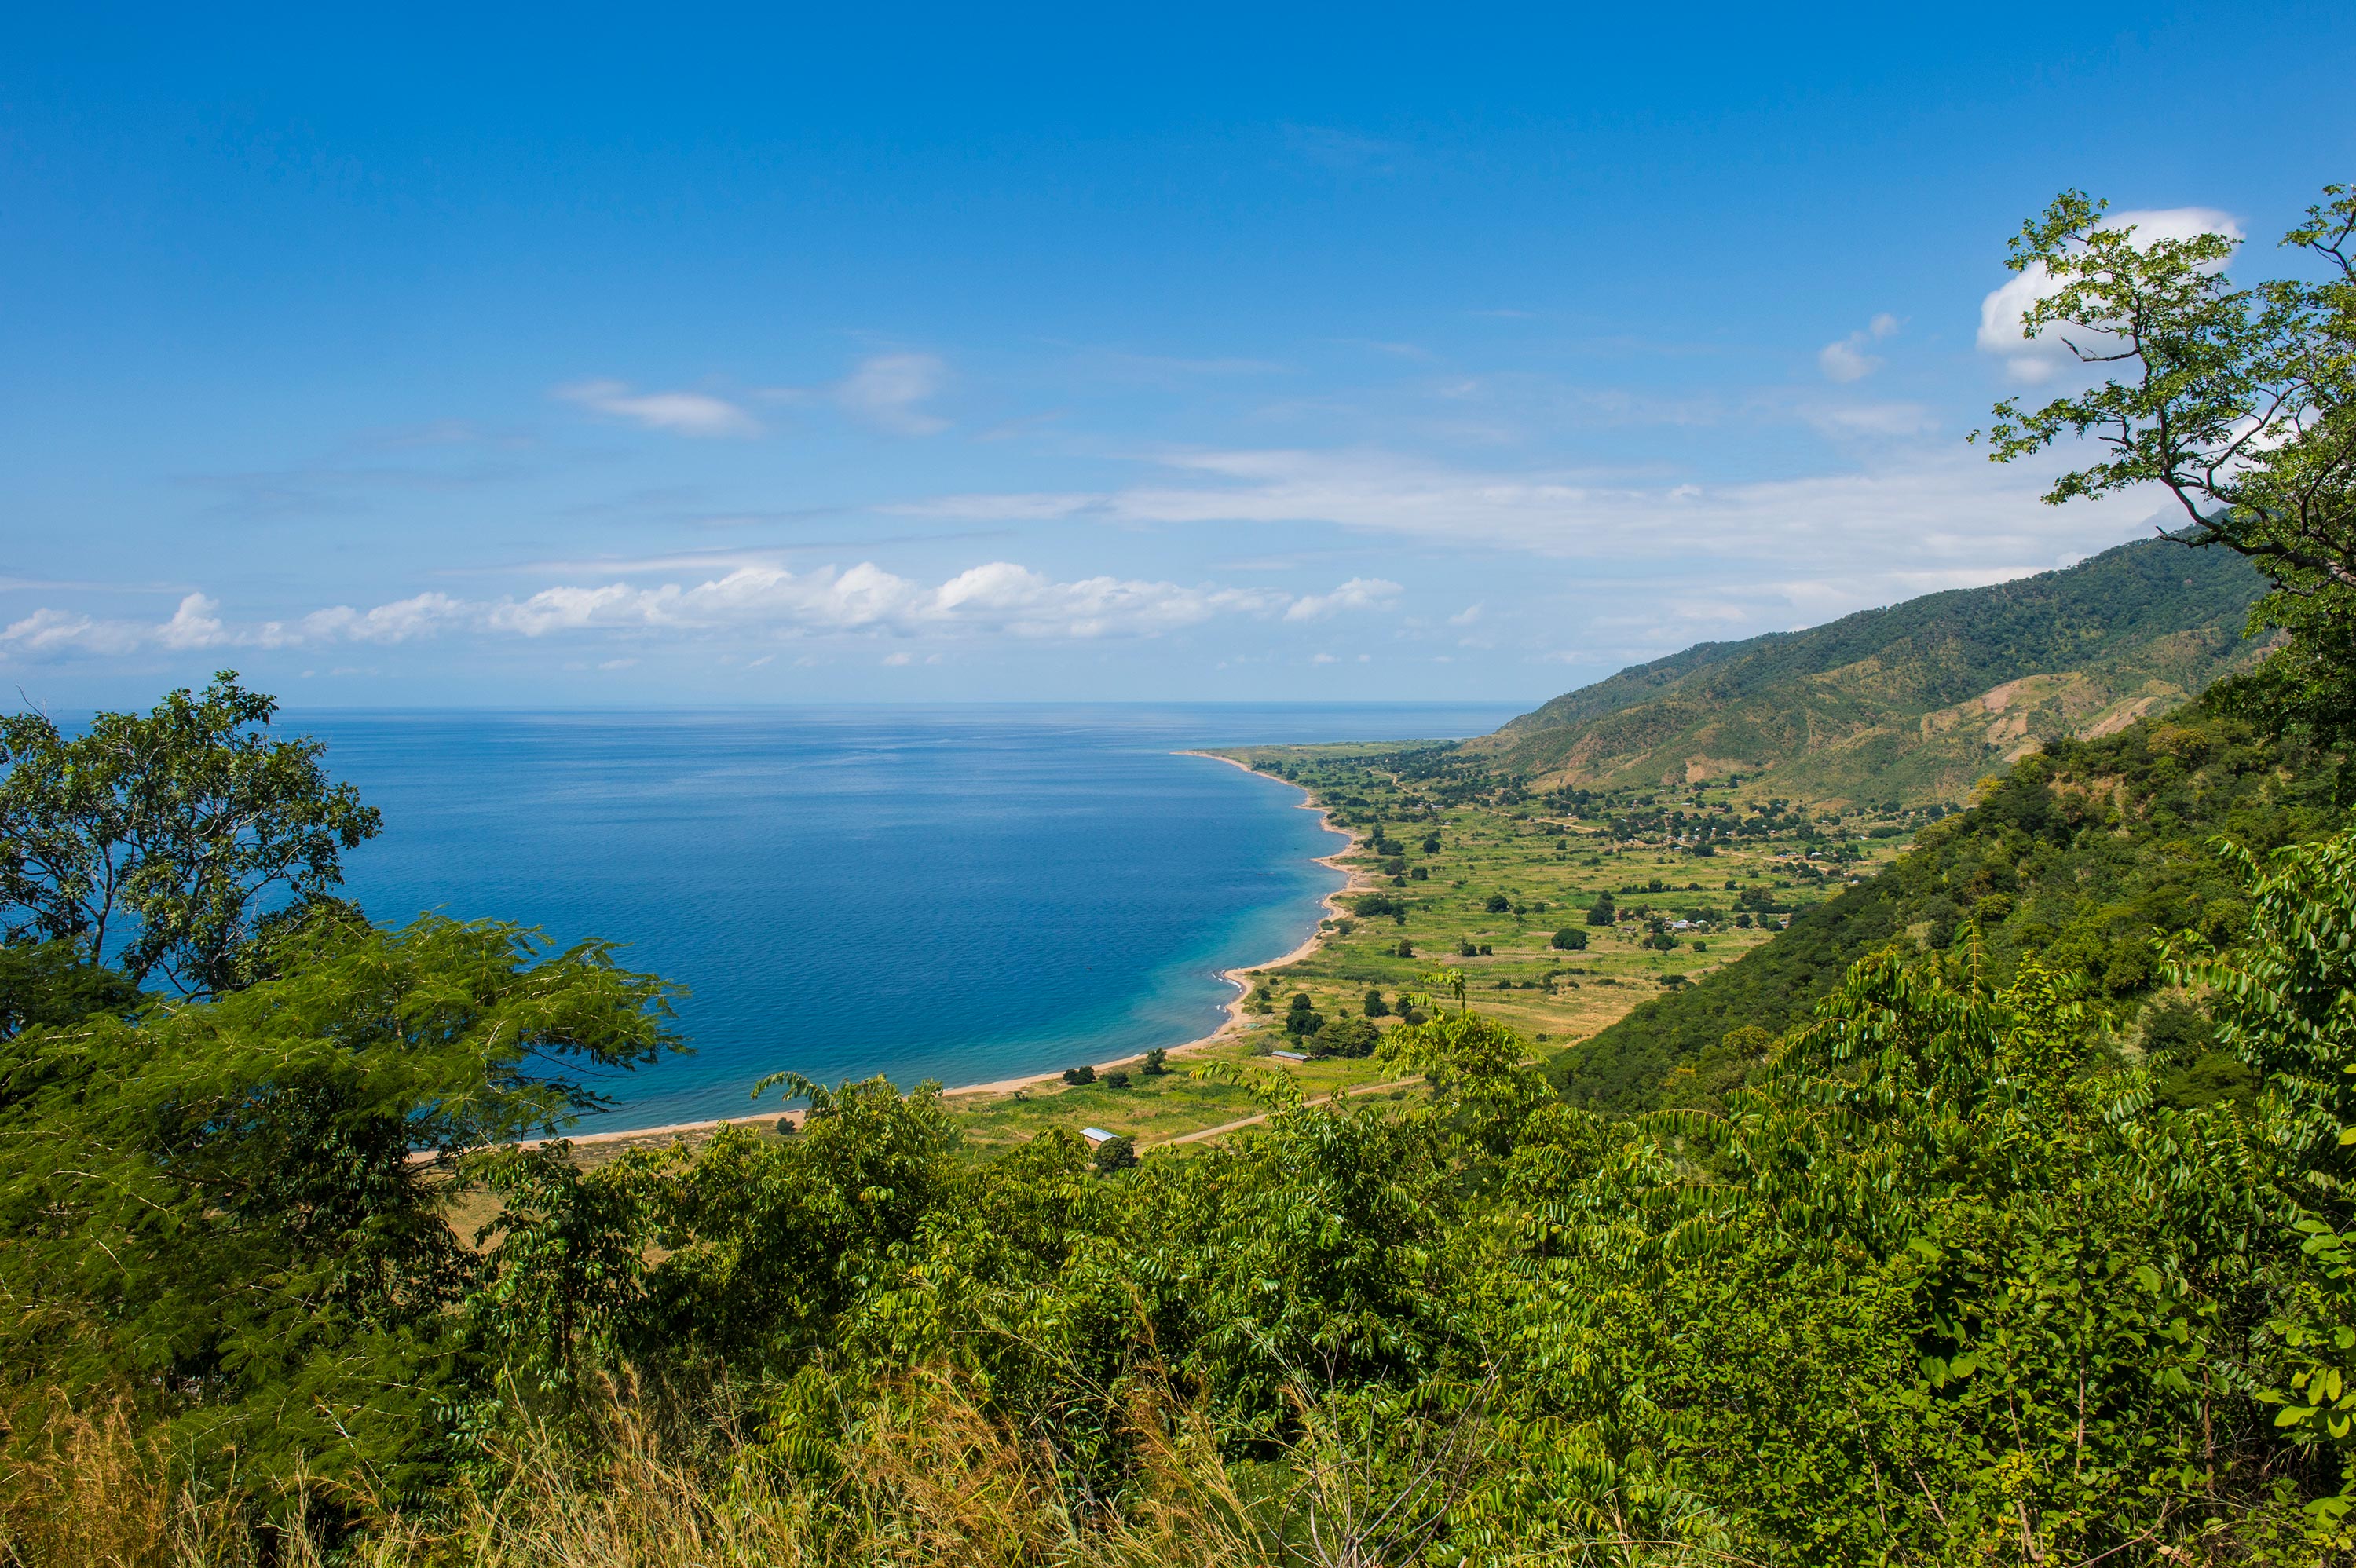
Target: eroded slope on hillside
x,y
1909,703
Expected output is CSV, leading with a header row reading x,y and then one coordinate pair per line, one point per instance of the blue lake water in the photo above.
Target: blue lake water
x,y
962,893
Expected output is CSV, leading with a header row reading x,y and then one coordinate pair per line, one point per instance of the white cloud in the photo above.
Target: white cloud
x,y
395,622
1015,599
2032,361
1847,360
887,391
1872,534
51,633
1358,594
1904,518
683,413
1903,505
194,624
998,599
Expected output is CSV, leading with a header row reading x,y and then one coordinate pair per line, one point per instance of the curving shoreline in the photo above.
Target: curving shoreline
x,y
1235,975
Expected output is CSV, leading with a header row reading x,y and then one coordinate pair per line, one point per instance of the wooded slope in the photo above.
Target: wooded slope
x,y
2077,858
1910,703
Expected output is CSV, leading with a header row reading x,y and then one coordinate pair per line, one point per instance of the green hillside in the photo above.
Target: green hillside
x,y
2079,857
1912,702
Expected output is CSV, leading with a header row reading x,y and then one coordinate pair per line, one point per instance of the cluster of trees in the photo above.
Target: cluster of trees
x,y
1154,1065
152,842
1320,1036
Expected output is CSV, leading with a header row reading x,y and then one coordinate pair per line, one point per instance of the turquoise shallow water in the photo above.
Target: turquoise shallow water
x,y
962,893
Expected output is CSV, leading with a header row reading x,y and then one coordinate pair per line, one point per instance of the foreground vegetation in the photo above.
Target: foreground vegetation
x,y
1944,1283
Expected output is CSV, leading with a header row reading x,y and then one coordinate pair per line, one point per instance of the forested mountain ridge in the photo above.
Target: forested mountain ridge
x,y
1909,703
2078,858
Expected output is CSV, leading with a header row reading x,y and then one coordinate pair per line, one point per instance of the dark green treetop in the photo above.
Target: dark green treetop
x,y
149,840
227,1202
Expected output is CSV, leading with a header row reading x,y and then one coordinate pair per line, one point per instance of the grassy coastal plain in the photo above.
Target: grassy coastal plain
x,y
1449,856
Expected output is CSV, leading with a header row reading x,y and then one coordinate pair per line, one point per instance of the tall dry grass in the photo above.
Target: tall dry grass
x,y
928,1479
86,1487
932,1479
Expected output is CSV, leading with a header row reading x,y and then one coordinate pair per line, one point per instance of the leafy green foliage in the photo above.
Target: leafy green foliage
x,y
1934,1279
1346,1037
1937,1280
148,841
222,1203
52,983
1951,1229
2285,1003
2241,401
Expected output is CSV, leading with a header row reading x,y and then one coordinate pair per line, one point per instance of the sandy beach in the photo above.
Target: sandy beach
x,y
1239,977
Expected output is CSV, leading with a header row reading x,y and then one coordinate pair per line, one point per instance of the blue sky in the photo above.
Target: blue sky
x,y
612,357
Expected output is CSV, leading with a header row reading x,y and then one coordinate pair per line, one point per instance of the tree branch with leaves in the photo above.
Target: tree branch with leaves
x,y
2239,401
151,840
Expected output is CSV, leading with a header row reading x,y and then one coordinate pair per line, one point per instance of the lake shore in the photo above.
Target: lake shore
x,y
1354,880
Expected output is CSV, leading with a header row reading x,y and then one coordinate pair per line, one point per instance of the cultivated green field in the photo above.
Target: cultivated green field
x,y
1662,858
1177,1109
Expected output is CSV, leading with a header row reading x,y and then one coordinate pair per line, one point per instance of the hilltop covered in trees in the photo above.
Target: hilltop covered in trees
x,y
1910,703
